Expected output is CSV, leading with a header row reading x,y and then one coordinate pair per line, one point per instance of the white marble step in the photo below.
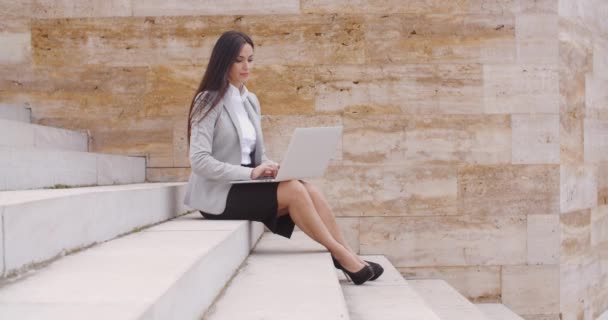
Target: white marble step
x,y
15,113
32,168
21,134
39,225
445,301
283,279
386,298
170,271
603,316
497,311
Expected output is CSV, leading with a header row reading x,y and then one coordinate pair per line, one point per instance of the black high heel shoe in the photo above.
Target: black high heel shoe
x,y
359,277
377,268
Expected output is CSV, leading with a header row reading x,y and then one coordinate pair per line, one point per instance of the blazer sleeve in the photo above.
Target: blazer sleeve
x,y
201,144
256,106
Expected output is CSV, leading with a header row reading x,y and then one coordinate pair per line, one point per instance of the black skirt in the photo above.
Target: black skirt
x,y
255,202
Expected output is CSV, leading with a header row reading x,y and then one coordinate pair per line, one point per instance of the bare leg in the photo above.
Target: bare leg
x,y
328,216
293,197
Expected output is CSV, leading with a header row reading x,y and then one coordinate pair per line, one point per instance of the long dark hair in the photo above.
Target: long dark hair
x,y
214,84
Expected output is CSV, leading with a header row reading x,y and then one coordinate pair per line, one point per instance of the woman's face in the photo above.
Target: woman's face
x,y
239,72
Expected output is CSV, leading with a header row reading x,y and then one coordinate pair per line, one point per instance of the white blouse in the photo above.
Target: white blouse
x,y
236,102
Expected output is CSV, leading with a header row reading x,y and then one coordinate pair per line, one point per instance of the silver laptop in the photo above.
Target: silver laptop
x,y
308,154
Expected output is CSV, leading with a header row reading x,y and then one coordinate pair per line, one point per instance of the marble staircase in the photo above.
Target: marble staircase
x,y
125,249
34,156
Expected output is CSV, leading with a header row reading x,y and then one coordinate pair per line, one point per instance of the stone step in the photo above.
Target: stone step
x,y
386,298
170,271
497,311
40,225
15,113
445,301
283,279
21,134
603,316
31,168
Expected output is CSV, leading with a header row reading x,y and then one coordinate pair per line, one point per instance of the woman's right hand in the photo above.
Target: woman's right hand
x,y
265,170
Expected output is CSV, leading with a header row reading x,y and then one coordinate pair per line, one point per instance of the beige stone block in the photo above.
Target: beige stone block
x,y
537,6
152,138
16,9
535,138
578,187
602,184
571,137
575,235
51,9
536,35
498,7
575,51
389,190
184,40
169,91
508,190
476,283
543,238
181,148
74,80
451,139
383,7
284,89
599,226
376,89
167,174
213,7
446,240
349,226
421,88
596,96
521,89
375,139
536,26
600,56
442,38
580,279
16,47
279,129
539,51
531,289
595,139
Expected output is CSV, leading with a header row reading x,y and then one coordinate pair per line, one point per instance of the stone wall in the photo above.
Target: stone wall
x,y
583,54
474,145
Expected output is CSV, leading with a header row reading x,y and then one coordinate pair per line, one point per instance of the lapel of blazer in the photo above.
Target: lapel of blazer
x,y
235,121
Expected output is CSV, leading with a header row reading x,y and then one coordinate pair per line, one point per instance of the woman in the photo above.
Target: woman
x,y
226,143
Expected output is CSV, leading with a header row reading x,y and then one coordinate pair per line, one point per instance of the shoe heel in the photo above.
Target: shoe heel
x,y
347,276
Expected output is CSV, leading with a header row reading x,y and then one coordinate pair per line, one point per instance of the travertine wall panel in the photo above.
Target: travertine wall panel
x,y
595,137
578,187
536,36
521,89
213,7
81,8
544,239
535,138
363,190
15,40
599,225
530,290
509,190
447,240
188,40
439,38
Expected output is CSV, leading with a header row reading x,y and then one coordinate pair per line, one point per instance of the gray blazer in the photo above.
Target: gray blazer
x,y
215,155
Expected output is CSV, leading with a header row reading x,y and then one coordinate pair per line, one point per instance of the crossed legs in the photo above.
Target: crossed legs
x,y
311,213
